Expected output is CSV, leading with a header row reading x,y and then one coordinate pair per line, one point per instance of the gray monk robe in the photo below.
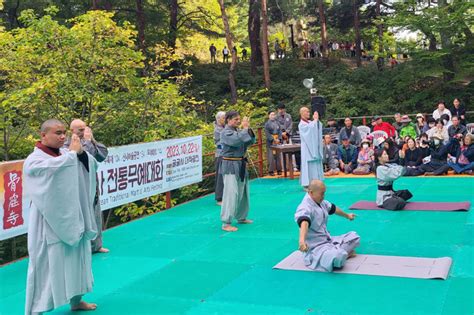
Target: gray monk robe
x,y
311,133
61,224
325,252
387,197
99,152
235,200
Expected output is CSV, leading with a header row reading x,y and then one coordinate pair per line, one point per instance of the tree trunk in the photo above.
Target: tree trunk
x,y
432,42
173,23
228,37
5,139
324,34
265,52
95,4
380,60
448,61
141,25
355,9
254,36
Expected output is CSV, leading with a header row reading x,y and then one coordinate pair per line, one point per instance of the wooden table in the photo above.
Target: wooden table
x,y
287,150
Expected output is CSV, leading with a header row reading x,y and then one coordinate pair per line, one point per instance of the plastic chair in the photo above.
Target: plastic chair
x,y
364,131
470,128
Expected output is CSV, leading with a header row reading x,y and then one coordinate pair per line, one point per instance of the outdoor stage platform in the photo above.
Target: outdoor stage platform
x,y
180,262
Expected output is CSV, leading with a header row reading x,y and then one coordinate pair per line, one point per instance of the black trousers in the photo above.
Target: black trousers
x,y
398,201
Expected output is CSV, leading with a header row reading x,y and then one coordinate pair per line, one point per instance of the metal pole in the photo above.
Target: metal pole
x,y
260,151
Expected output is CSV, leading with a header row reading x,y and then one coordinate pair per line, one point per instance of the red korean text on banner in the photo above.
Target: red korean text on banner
x,y
12,205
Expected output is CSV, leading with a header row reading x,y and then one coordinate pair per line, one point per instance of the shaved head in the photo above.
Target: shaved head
x,y
50,123
78,127
303,109
305,113
316,185
77,123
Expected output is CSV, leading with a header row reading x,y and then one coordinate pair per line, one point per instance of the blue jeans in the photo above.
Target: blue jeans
x,y
460,168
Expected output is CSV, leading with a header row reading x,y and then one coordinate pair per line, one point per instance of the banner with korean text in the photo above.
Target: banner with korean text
x,y
128,174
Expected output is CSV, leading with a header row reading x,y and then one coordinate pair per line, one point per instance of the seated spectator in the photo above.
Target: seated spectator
x,y
330,157
412,156
351,132
365,159
439,130
398,122
408,128
456,128
441,110
437,164
347,155
332,130
384,126
392,151
458,110
420,123
424,145
446,120
464,155
430,123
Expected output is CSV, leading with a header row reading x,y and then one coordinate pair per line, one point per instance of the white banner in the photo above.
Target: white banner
x,y
128,174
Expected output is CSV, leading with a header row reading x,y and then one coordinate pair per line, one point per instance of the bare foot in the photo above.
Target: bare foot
x,y
246,221
219,203
84,306
229,228
103,250
351,254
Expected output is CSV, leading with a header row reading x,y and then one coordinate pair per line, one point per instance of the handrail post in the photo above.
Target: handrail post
x,y
168,199
260,151
363,121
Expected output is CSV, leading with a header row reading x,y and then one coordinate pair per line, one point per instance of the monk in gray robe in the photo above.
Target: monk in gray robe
x,y
235,141
274,137
62,185
99,152
311,134
387,173
219,125
322,251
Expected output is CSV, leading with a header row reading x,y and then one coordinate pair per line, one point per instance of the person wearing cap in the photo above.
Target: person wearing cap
x,y
219,125
311,135
365,159
420,123
456,129
458,110
330,159
285,121
437,164
384,126
441,110
274,137
408,128
350,132
347,154
398,122
387,173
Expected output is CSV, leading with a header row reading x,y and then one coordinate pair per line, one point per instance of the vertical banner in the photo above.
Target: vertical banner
x,y
14,205
129,173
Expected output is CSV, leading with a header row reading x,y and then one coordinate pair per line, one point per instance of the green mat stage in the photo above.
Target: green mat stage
x,y
180,262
